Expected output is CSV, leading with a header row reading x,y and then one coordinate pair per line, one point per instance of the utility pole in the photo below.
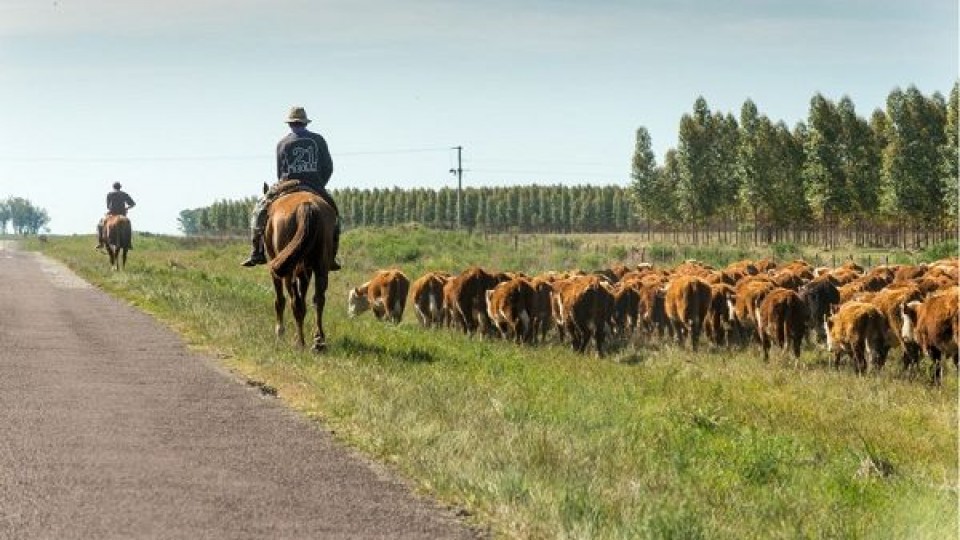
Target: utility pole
x,y
459,172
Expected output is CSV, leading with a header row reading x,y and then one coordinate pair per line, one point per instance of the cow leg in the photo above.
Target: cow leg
x,y
421,316
319,302
859,359
797,339
765,345
696,327
911,356
279,304
598,337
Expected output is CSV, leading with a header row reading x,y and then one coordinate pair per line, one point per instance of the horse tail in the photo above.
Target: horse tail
x,y
125,233
308,229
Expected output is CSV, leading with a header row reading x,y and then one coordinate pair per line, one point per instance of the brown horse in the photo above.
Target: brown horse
x,y
117,234
299,244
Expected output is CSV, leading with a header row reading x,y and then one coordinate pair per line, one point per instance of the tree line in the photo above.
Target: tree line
x,y
531,208
883,178
22,216
835,177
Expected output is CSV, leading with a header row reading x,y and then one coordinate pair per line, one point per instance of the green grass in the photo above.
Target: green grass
x,y
539,442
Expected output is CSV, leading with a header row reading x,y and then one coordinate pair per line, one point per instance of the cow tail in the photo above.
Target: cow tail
x,y
433,305
291,254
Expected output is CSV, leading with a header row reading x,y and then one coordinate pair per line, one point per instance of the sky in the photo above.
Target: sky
x,y
183,101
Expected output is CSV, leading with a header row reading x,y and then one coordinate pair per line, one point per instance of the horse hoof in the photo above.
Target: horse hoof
x,y
319,347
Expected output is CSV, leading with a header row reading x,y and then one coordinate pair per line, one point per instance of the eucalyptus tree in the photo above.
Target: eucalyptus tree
x,y
860,161
646,190
912,162
949,160
823,174
697,186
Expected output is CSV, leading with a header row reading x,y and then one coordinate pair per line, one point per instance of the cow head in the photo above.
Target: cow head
x,y
828,326
731,307
357,302
908,314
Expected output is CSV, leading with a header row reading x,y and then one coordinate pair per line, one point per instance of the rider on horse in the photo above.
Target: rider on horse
x,y
118,202
303,164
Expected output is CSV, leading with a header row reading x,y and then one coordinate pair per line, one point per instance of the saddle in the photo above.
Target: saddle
x,y
286,187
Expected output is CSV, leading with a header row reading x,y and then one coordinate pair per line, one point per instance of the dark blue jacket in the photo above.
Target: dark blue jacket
x,y
303,155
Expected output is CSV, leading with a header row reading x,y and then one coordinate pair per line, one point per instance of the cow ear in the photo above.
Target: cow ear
x,y
265,188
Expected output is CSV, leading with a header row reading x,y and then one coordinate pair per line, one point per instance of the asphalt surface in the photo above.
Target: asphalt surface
x,y
111,428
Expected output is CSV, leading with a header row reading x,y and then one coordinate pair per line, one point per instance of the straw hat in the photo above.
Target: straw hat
x,y
297,115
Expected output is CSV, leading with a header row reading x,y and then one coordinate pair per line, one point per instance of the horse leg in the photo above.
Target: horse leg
x,y
319,300
279,304
299,307
124,262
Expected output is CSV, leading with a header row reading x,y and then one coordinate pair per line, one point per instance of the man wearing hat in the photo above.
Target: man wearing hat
x,y
303,162
118,202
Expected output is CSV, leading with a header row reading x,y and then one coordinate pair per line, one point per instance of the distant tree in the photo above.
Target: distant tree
x,y
913,160
4,216
826,188
705,159
860,161
949,157
188,222
25,218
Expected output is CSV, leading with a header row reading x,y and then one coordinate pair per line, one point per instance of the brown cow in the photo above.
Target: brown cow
x,y
820,295
686,302
933,325
860,330
782,320
427,295
748,293
583,307
466,297
719,323
508,307
890,302
626,305
540,314
385,294
788,279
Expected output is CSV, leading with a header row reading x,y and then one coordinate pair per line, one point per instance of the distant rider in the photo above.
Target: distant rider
x,y
118,202
303,164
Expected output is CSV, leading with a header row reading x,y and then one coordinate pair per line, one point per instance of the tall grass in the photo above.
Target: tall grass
x,y
539,442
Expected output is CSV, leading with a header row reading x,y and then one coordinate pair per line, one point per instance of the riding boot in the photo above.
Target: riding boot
x,y
257,255
335,265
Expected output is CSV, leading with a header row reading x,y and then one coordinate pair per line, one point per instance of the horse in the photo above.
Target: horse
x,y
117,234
299,245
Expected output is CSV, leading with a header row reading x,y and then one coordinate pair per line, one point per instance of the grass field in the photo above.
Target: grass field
x,y
540,442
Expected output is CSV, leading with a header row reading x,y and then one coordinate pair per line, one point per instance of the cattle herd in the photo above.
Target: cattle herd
x,y
852,313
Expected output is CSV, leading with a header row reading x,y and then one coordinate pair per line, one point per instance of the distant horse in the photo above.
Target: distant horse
x,y
299,244
117,234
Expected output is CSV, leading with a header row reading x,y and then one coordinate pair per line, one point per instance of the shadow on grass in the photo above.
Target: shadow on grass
x,y
414,354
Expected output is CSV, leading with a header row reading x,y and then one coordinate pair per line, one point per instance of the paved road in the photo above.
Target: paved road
x,y
110,428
